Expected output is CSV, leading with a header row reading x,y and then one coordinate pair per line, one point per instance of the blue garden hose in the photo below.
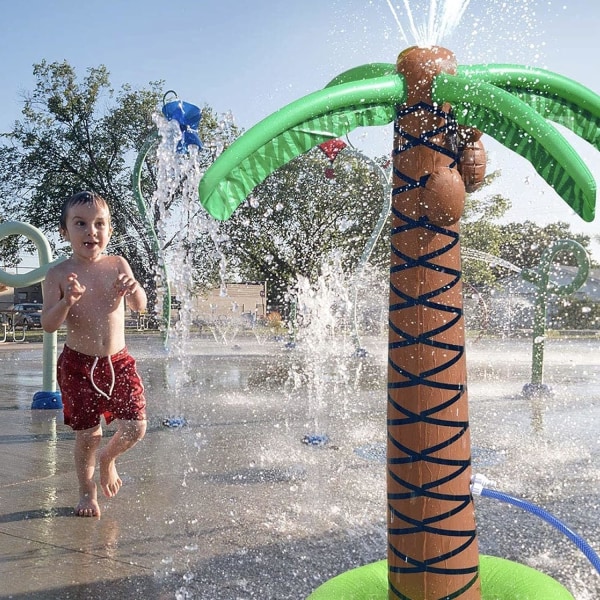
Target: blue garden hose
x,y
587,550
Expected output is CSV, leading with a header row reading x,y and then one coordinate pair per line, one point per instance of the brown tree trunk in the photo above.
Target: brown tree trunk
x,y
432,551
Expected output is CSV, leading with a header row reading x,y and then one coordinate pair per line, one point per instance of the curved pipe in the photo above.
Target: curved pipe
x,y
25,279
587,550
540,278
149,143
386,207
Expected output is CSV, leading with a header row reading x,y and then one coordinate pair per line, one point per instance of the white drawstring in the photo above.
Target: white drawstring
x,y
112,373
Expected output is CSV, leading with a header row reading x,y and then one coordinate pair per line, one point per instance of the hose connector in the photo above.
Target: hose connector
x,y
478,482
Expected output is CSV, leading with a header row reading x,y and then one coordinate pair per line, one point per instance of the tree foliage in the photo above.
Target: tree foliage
x,y
306,212
575,313
524,243
515,243
80,133
480,231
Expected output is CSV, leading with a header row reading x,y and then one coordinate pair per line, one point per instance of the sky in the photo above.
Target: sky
x,y
252,58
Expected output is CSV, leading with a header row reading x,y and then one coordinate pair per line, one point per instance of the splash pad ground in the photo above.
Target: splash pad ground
x,y
234,506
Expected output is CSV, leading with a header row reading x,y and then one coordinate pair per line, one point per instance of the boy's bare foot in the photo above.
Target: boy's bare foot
x,y
109,478
88,504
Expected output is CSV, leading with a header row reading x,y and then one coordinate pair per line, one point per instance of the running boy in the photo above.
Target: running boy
x,y
96,374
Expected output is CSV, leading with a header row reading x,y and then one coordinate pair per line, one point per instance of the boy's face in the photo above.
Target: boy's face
x,y
88,229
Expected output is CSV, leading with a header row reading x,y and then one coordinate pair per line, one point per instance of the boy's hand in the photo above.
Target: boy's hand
x,y
73,290
125,285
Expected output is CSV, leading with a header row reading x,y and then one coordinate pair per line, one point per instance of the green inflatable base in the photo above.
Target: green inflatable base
x,y
501,579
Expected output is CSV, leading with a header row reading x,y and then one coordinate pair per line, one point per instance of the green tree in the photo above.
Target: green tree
x,y
304,213
80,133
480,231
575,313
524,243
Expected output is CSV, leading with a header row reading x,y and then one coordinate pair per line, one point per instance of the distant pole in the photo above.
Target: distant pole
x,y
540,278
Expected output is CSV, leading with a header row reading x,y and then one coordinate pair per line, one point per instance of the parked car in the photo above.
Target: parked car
x,y
27,314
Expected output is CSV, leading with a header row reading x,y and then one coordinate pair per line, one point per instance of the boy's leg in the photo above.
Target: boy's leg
x,y
86,445
127,435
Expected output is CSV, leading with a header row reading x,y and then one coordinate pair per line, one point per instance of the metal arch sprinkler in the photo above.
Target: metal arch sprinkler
x,y
540,278
438,108
49,397
150,143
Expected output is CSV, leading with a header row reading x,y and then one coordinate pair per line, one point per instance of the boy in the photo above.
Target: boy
x,y
96,374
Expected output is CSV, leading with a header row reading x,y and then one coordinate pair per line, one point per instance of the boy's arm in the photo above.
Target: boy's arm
x,y
137,300
130,288
55,308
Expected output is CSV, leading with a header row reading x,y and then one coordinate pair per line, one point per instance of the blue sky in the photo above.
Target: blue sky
x,y
254,57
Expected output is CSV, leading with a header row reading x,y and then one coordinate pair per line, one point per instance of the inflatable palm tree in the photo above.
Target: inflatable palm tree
x,y
438,110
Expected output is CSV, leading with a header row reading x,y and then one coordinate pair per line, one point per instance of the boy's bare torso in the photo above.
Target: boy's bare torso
x,y
95,324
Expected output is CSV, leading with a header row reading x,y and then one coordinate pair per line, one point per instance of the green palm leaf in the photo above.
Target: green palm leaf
x,y
291,131
368,71
557,98
509,102
516,125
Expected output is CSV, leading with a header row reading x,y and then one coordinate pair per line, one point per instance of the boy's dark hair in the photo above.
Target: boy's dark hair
x,y
80,198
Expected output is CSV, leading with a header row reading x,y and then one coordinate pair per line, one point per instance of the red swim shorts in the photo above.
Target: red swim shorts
x,y
93,386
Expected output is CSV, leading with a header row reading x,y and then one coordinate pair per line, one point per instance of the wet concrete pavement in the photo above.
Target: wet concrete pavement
x,y
233,505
